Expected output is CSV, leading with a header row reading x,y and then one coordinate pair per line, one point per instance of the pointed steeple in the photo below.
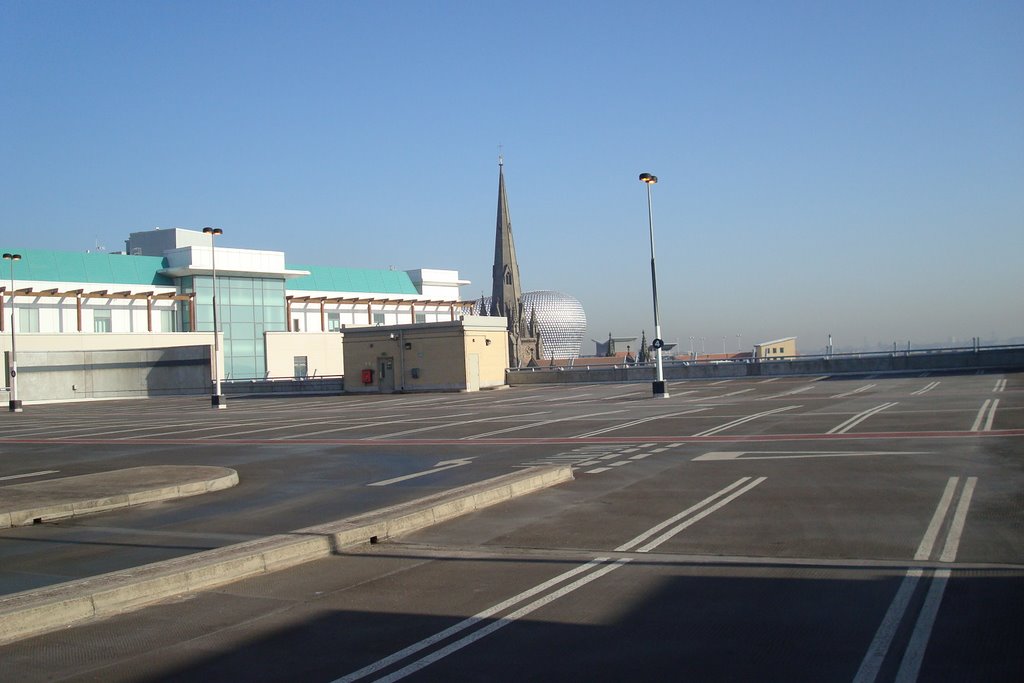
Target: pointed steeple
x,y
506,291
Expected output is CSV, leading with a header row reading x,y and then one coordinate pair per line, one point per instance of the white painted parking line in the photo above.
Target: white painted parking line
x,y
533,425
855,391
785,455
633,423
690,515
742,420
913,655
439,467
846,426
735,393
784,394
981,422
445,425
925,389
487,622
1000,386
773,379
28,474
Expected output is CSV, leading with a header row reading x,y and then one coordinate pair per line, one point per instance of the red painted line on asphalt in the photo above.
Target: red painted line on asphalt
x,y
720,438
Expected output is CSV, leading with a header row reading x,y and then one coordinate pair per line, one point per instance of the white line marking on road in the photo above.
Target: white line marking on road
x,y
633,423
910,663
641,456
593,570
872,662
532,425
28,474
721,381
773,379
469,622
924,550
988,406
956,527
500,623
925,389
981,415
742,420
735,393
625,547
785,455
697,517
1000,385
855,391
443,425
849,424
439,467
784,394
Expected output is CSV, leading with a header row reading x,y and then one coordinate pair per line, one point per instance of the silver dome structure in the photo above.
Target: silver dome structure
x,y
560,319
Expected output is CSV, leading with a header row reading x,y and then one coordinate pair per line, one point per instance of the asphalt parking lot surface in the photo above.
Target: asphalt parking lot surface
x,y
792,529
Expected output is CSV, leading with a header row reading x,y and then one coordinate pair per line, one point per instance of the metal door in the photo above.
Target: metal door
x,y
386,375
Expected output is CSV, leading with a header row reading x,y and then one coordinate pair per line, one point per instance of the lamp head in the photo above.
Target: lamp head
x,y
12,257
213,231
648,178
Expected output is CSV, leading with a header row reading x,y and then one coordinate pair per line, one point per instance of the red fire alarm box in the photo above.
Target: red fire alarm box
x,y
367,376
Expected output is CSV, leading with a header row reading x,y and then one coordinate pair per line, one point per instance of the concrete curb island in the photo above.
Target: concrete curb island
x,y
47,609
86,494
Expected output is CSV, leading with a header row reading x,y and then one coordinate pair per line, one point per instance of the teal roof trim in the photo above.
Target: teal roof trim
x,y
355,280
68,266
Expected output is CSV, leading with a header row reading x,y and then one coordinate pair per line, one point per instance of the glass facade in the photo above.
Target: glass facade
x,y
246,308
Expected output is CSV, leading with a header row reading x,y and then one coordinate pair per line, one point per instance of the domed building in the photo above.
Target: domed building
x,y
561,320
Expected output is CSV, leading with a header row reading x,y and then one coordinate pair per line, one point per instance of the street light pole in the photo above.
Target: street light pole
x,y
14,405
658,387
217,400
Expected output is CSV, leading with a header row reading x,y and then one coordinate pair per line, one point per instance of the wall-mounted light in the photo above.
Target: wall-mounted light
x,y
487,342
408,345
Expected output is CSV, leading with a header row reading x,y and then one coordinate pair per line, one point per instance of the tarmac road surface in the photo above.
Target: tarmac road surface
x,y
798,529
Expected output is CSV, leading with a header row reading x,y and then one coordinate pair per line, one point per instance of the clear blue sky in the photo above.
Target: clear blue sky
x,y
854,168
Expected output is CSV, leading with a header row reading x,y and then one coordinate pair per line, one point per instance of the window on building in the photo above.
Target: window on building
x,y
168,321
301,366
101,320
333,322
28,319
378,318
421,318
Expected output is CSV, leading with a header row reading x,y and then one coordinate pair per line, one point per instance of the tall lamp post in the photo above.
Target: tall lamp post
x,y
15,405
659,382
217,400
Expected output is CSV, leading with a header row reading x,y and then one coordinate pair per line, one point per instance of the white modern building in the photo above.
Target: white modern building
x,y
276,319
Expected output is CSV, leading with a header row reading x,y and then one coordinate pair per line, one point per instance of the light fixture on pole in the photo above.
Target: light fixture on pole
x,y
217,400
659,382
14,405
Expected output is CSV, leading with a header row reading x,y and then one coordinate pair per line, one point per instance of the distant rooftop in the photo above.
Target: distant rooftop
x,y
331,279
42,265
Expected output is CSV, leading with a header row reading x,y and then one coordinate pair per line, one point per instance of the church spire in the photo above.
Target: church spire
x,y
506,291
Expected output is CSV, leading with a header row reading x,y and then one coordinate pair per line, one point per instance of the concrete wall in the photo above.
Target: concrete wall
x,y
464,355
323,351
123,373
995,358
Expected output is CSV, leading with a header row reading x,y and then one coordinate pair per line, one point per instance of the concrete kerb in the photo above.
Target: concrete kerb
x,y
225,478
34,612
